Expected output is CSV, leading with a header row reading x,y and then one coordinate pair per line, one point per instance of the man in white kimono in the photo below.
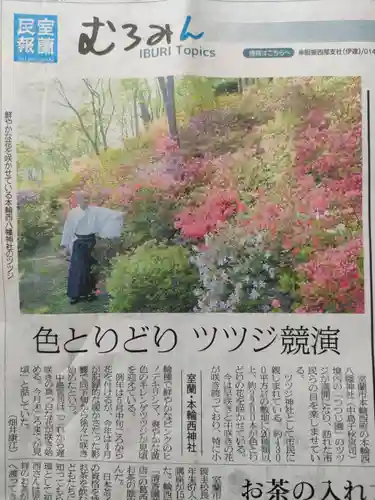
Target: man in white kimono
x,y
83,224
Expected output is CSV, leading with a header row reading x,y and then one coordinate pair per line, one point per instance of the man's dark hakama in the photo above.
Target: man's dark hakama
x,y
81,279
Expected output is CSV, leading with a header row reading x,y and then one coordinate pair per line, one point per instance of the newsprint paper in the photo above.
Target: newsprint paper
x,y
187,281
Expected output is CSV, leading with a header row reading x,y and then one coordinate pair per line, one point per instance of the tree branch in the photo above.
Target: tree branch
x,y
101,106
93,94
113,107
62,93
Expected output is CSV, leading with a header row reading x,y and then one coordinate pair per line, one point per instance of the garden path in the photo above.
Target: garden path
x,y
43,279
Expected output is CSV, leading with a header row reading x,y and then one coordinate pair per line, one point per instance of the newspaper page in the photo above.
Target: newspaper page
x,y
186,250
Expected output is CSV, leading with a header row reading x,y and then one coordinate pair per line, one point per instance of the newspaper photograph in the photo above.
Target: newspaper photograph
x,y
205,213
162,165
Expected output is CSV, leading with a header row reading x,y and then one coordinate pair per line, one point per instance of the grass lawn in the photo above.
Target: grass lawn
x,y
43,282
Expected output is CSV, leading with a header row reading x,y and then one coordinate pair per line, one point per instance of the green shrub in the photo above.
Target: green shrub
x,y
56,241
153,279
37,224
148,218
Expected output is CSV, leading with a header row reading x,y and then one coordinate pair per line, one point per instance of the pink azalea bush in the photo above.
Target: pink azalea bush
x,y
311,219
267,239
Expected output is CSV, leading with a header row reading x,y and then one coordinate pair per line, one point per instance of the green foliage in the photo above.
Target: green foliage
x,y
56,242
148,218
193,95
37,224
289,282
112,157
226,86
153,278
28,163
48,157
136,144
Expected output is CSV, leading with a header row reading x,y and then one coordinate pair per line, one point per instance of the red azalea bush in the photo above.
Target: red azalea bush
x,y
333,281
198,221
315,211
312,215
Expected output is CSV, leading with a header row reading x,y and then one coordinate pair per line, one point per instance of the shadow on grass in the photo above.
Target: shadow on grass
x,y
43,283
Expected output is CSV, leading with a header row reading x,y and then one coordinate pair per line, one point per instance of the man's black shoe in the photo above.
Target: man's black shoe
x,y
91,297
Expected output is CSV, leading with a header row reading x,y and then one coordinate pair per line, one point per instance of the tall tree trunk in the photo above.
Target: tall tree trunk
x,y
167,90
131,121
148,100
103,135
172,118
145,113
135,113
123,124
244,83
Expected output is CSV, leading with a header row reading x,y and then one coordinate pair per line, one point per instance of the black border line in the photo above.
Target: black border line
x,y
369,207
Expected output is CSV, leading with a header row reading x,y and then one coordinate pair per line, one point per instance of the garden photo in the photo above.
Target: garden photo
x,y
190,194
